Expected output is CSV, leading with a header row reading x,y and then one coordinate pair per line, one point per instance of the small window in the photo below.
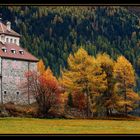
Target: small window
x,y
17,93
13,51
2,37
11,40
5,92
4,49
7,40
15,41
21,51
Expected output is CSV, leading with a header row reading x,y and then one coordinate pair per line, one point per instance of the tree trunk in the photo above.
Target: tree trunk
x,y
125,107
110,112
87,105
107,112
125,98
92,114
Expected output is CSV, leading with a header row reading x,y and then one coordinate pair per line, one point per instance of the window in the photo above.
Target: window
x,y
15,41
2,37
21,51
7,40
13,51
11,40
17,93
4,49
5,93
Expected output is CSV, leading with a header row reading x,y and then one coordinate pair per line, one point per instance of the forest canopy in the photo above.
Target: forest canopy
x,y
51,33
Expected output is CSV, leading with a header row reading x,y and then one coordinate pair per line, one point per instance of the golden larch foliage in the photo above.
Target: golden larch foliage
x,y
84,75
124,75
108,98
40,67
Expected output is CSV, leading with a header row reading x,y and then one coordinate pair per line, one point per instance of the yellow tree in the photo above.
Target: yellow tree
x,y
41,67
48,74
107,99
124,75
84,75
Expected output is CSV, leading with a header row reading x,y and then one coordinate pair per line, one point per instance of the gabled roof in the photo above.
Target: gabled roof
x,y
4,30
8,46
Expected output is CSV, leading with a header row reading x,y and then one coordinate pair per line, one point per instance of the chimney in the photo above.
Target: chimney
x,y
0,17
8,24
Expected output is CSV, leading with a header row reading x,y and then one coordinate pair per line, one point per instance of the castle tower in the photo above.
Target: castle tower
x,y
14,63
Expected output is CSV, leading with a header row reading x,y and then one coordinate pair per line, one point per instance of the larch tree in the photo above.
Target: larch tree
x,y
41,67
85,76
49,90
124,75
44,87
107,99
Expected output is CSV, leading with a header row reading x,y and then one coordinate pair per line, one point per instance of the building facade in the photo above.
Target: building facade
x,y
14,63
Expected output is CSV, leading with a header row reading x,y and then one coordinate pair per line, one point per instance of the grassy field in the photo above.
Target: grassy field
x,y
62,126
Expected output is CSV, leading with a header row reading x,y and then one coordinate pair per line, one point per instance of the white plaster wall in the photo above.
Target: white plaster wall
x,y
9,38
13,38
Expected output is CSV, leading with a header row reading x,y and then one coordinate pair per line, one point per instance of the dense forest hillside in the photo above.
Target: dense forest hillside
x,y
52,33
134,9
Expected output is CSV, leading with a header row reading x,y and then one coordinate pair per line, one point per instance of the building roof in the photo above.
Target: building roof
x,y
8,54
4,30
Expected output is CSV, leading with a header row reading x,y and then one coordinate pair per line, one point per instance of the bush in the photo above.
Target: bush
x,y
3,112
55,112
30,110
20,110
11,109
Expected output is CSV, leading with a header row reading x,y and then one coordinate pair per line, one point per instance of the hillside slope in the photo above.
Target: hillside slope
x,y
51,33
134,9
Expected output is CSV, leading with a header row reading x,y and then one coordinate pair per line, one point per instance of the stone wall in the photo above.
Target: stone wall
x,y
13,76
33,67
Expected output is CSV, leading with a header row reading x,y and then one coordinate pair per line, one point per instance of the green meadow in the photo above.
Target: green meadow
x,y
67,126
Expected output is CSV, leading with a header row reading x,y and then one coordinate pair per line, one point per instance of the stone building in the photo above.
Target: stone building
x,y
14,62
